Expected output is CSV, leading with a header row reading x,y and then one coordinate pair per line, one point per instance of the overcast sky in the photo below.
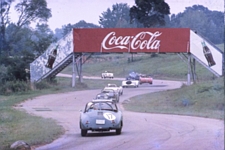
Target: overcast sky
x,y
73,11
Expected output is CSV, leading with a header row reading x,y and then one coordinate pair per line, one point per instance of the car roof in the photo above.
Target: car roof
x,y
106,89
102,100
111,84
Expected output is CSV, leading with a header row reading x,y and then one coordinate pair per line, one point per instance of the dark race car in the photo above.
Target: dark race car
x,y
103,96
111,94
133,76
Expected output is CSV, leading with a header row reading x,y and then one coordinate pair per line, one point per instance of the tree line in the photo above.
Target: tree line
x,y
20,44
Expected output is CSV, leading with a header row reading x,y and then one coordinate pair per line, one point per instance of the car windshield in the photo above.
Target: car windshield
x,y
111,85
102,96
100,106
107,91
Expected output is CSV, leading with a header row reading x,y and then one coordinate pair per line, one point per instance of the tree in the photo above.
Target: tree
x,y
28,11
32,11
4,10
81,24
209,24
25,46
41,38
149,13
118,17
20,44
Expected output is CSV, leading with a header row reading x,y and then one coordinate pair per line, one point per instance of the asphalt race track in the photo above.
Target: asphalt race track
x,y
141,131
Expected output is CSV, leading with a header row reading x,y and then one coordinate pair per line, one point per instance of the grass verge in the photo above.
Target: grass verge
x,y
18,125
203,100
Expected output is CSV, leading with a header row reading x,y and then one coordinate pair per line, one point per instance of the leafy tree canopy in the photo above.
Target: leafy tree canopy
x,y
31,11
209,24
20,44
118,17
67,28
149,13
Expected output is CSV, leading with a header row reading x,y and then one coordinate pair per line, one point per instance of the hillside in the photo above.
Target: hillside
x,y
162,66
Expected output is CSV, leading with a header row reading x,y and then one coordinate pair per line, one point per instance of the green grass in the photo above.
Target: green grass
x,y
164,66
18,125
203,100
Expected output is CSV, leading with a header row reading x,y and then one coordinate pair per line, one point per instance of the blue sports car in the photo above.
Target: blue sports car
x,y
101,115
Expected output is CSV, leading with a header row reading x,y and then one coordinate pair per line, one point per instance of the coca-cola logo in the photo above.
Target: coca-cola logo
x,y
143,40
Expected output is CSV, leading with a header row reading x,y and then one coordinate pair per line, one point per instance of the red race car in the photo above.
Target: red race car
x,y
145,79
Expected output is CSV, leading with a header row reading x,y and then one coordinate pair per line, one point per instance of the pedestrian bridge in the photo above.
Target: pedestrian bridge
x,y
80,43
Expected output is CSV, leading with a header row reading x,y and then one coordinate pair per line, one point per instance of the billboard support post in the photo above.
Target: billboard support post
x,y
189,70
194,71
73,74
80,69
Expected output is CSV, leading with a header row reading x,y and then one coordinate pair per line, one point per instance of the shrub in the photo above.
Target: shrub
x,y
10,87
42,85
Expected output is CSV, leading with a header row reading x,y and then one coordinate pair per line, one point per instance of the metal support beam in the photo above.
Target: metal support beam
x,y
74,74
80,68
189,70
194,70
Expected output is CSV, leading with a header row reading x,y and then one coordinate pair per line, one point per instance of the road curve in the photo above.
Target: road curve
x,y
140,131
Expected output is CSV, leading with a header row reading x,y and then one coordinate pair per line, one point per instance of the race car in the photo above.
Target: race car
x,y
103,96
107,74
118,89
111,94
145,79
134,76
101,115
130,83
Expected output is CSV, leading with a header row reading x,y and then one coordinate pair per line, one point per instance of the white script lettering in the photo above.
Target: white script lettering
x,y
143,40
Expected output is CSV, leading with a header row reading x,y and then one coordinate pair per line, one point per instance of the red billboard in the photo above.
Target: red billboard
x,y
136,40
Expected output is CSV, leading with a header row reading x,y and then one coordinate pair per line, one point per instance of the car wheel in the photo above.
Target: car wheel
x,y
118,131
83,132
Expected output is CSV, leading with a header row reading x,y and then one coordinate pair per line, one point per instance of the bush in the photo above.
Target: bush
x,y
42,85
10,87
46,83
3,74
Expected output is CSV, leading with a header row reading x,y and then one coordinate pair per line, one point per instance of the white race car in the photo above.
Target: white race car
x,y
107,74
118,89
130,83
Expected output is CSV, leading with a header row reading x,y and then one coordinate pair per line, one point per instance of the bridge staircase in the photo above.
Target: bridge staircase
x,y
58,68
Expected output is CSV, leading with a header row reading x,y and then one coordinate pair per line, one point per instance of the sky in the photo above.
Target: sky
x,y
73,11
